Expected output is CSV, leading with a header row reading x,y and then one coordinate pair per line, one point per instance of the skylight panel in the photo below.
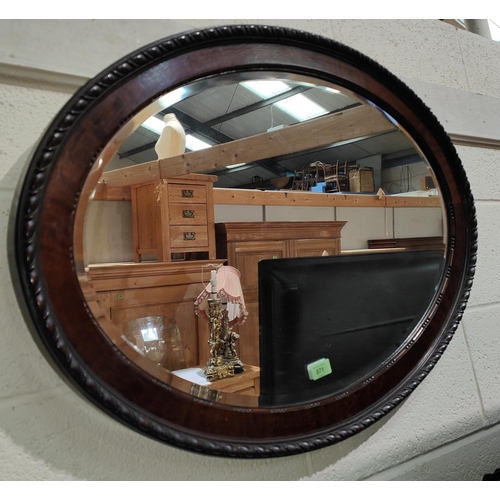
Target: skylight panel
x,y
301,107
194,144
154,124
298,106
266,88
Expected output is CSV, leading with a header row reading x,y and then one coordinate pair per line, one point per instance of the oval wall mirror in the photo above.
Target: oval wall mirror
x,y
282,275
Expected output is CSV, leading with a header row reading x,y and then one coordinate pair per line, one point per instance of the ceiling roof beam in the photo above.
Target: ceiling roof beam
x,y
330,129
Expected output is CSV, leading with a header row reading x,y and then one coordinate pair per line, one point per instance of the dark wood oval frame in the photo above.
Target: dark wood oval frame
x,y
43,245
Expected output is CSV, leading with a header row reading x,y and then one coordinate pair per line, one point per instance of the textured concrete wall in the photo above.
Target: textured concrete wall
x,y
447,429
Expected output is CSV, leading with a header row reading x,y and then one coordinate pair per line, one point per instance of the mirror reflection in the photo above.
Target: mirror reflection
x,y
261,235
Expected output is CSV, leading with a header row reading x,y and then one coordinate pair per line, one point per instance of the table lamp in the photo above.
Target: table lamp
x,y
222,304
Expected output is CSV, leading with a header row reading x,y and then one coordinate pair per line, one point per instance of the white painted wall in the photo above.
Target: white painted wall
x,y
404,178
447,429
109,238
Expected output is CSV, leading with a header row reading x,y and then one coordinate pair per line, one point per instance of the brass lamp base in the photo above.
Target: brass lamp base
x,y
216,369
224,361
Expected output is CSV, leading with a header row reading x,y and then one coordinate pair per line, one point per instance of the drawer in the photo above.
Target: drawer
x,y
186,238
187,193
181,214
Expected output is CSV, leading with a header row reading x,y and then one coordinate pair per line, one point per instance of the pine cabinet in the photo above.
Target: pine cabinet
x,y
173,218
129,291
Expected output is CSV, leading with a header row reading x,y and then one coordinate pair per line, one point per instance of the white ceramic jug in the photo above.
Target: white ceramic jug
x,y
172,141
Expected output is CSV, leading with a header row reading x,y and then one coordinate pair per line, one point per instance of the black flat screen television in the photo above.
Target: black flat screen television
x,y
353,310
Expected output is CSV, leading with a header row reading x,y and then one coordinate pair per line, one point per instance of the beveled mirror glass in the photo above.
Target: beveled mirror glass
x,y
352,228
343,130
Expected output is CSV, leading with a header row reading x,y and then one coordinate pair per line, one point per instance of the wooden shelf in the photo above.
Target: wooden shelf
x,y
224,196
147,274
309,199
358,122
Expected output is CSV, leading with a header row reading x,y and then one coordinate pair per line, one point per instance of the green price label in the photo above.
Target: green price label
x,y
319,369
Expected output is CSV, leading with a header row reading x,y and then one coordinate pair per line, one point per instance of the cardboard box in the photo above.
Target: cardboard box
x,y
361,180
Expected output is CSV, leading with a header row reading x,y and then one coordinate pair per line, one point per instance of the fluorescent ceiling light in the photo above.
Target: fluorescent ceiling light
x,y
154,124
299,106
172,98
195,144
266,88
332,91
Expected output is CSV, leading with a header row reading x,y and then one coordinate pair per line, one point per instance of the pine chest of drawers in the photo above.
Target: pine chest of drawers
x,y
174,218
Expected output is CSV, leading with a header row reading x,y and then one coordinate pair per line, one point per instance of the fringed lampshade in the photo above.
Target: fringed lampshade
x,y
228,286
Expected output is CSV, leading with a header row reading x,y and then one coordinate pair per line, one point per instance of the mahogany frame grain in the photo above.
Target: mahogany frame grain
x,y
44,239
